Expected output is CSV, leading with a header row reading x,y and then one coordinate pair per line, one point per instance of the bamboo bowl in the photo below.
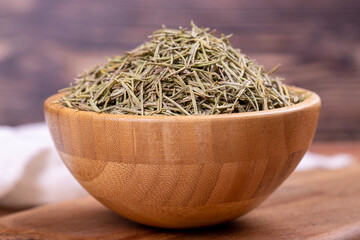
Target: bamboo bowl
x,y
186,171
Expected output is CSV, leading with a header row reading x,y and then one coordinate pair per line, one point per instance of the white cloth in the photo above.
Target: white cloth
x,y
31,172
315,161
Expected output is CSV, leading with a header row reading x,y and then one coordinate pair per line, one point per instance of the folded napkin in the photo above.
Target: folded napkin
x,y
31,172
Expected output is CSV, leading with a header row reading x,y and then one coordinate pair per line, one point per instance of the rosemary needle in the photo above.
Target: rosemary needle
x,y
179,72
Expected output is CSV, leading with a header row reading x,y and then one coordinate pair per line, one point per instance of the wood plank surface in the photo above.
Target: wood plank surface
x,y
44,44
309,205
331,148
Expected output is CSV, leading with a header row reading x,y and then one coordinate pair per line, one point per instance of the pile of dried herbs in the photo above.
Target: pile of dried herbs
x,y
179,72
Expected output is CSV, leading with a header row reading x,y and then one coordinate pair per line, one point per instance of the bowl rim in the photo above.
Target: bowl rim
x,y
312,100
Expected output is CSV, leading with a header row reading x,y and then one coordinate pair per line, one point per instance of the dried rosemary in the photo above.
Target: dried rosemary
x,y
179,72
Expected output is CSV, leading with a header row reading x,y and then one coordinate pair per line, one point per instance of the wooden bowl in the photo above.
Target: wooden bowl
x,y
182,171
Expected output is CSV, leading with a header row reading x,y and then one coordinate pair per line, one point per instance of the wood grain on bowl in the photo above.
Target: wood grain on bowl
x,y
316,205
182,171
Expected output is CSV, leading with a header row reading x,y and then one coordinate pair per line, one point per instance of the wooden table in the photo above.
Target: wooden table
x,y
330,148
317,204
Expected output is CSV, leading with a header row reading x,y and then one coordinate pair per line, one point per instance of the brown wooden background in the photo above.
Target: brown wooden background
x,y
44,44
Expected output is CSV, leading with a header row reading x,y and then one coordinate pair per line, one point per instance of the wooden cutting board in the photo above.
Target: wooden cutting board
x,y
310,205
